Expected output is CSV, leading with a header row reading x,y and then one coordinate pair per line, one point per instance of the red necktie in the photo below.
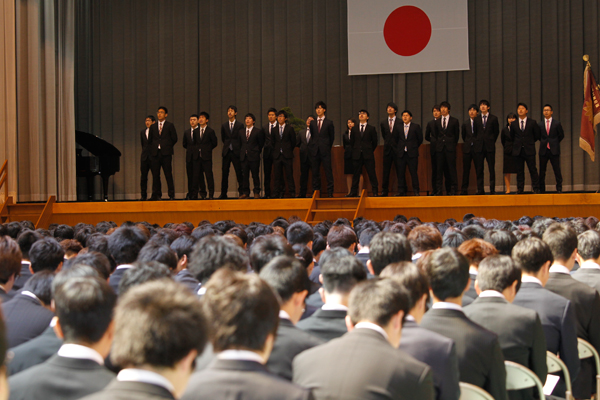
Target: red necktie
x,y
319,126
548,131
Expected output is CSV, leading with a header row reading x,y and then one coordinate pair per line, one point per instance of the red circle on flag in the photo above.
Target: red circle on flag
x,y
407,30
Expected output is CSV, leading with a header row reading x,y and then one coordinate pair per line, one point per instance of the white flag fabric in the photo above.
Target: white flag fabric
x,y
392,37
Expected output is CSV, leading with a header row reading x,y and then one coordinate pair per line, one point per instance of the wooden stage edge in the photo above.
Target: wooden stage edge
x,y
427,208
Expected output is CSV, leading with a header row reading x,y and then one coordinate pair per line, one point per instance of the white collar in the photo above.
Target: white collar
x,y
125,266
524,120
487,115
29,294
491,293
473,270
372,326
145,376
284,315
406,125
283,126
393,118
336,307
416,256
364,250
589,264
559,269
202,290
244,355
547,120
25,262
72,350
410,318
443,305
531,279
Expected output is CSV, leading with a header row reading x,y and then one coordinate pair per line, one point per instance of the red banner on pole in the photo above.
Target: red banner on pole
x,y
590,114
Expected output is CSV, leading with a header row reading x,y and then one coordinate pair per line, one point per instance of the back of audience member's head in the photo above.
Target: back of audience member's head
x,y
266,248
164,236
286,276
321,228
13,229
143,272
183,246
71,247
540,226
453,238
448,272
341,236
239,233
243,309
424,238
159,252
299,233
411,277
82,234
26,239
319,245
64,232
497,272
588,245
366,235
203,231
502,240
531,254
46,254
476,250
525,220
10,261
387,248
93,259
562,239
304,254
341,274
474,231
125,244
214,252
335,253
74,271
40,284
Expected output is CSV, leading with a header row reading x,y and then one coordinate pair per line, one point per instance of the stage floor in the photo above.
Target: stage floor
x,y
427,208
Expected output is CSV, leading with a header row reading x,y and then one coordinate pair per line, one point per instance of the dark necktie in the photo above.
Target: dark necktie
x,y
391,125
484,120
362,130
522,125
247,134
319,126
444,124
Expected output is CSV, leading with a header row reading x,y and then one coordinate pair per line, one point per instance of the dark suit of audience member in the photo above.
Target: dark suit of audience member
x,y
589,276
430,137
268,157
438,352
472,152
362,365
490,128
145,161
130,390
364,142
115,278
23,277
163,137
302,141
407,151
551,134
447,132
4,296
524,135
25,318
283,142
199,160
320,152
290,342
471,294
479,355
231,154
390,153
252,145
34,352
325,324
187,279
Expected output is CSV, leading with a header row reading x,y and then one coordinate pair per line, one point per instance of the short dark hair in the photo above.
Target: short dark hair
x,y
10,259
299,232
194,116
435,107
472,106
531,254
163,108
304,254
503,240
240,233
341,274
487,103
98,261
367,235
424,238
341,236
251,116
151,117
125,244
562,240
214,252
320,103
498,272
547,105
453,238
157,324
286,276
142,272
272,109
524,105
510,115
448,272
26,239
445,104
411,277
183,245
243,310
387,248
84,307
234,108
40,284
282,112
205,114
319,243
377,301
63,231
362,110
393,105
46,254
267,247
588,245
407,112
158,252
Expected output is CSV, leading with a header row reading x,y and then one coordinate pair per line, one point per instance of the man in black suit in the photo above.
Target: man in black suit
x,y
407,150
433,349
366,363
551,134
588,257
562,240
253,140
84,308
124,245
472,151
26,239
556,313
159,331
430,137
302,141
489,127
283,143
230,135
268,129
446,132
10,265
145,159
480,358
192,154
244,314
323,135
390,131
163,137
287,276
338,275
524,133
363,139
199,142
519,329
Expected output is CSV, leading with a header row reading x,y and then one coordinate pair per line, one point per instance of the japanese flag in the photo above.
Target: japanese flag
x,y
394,36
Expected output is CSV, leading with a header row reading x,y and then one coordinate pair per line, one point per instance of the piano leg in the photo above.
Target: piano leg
x,y
90,187
105,186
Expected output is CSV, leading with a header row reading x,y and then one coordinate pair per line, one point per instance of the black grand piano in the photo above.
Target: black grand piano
x,y
104,161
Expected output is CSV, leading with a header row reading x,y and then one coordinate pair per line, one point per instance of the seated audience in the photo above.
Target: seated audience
x,y
423,238
366,235
387,248
183,247
267,247
26,239
124,245
142,272
588,257
71,247
475,250
300,233
341,236
10,266
502,240
46,255
161,253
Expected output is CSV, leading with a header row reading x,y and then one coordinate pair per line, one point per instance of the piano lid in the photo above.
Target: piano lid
x,y
95,145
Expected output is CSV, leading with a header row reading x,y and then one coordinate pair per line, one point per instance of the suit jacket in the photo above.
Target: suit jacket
x,y
115,278
117,390
166,139
145,141
231,138
506,140
446,139
480,358
241,380
60,378
365,143
362,365
303,144
390,139
347,145
473,140
524,139
489,133
268,148
554,138
4,296
197,147
290,342
589,276
34,352
187,279
412,141
25,319
430,133
325,324
322,141
287,142
23,277
470,295
438,352
252,146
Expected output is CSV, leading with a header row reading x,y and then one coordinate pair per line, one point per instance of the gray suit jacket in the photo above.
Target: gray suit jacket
x,y
34,352
117,390
589,276
325,324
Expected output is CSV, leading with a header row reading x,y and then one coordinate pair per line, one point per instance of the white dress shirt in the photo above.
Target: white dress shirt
x,y
243,355
443,305
531,279
70,350
145,376
589,264
372,326
284,315
491,293
559,269
338,307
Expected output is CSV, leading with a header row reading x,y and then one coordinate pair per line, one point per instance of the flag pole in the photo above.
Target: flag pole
x,y
586,58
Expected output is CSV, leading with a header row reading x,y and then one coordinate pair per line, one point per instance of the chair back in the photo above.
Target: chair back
x,y
472,392
586,350
519,377
555,364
